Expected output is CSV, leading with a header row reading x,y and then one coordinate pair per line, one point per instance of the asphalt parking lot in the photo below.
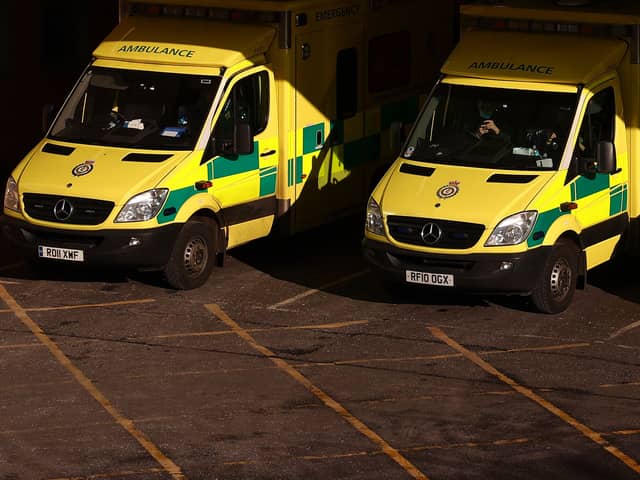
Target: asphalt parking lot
x,y
295,361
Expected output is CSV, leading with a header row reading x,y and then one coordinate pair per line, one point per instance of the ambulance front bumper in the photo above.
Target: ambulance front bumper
x,y
480,272
135,248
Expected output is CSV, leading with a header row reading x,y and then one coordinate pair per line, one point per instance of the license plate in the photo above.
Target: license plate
x,y
426,278
67,254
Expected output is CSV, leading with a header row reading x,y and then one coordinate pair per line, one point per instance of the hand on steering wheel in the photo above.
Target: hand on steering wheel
x,y
116,119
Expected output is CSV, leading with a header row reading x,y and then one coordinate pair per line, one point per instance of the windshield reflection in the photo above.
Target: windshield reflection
x,y
128,108
493,128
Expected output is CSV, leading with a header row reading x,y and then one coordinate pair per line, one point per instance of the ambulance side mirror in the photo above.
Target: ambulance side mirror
x,y
241,144
606,157
243,141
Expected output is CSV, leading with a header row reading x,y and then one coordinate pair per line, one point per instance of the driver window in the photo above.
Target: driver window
x,y
597,124
248,102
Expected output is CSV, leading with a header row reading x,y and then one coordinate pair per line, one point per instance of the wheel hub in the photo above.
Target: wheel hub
x,y
196,256
560,281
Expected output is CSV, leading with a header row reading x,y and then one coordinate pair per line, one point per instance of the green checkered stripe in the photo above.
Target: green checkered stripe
x,y
581,188
358,151
619,199
219,168
618,194
224,167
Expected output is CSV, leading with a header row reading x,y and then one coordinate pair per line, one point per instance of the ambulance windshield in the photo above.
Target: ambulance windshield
x,y
129,108
493,128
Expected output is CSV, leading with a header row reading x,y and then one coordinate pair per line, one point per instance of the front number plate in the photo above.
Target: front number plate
x,y
426,278
67,254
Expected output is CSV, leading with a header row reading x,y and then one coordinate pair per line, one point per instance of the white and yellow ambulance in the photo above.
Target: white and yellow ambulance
x,y
200,125
520,173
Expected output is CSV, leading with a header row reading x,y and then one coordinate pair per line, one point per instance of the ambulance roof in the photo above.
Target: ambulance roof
x,y
178,42
534,57
620,12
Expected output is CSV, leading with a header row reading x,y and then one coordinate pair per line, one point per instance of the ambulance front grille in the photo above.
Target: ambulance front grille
x,y
81,211
434,232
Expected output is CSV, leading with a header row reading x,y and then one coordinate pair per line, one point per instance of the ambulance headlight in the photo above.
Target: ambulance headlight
x,y
512,230
12,196
143,206
374,223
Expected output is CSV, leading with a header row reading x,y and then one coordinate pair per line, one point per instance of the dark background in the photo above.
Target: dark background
x,y
44,46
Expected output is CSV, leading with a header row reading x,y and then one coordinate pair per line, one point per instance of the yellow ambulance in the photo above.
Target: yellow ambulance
x,y
519,174
201,125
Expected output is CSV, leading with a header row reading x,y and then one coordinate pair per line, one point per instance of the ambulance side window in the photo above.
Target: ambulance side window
x,y
347,83
248,103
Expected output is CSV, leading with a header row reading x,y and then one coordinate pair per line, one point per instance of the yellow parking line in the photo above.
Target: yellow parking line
x,y
21,345
313,291
55,428
623,330
616,385
365,361
423,448
390,451
31,386
322,326
85,305
419,448
341,455
504,442
445,356
528,393
624,432
168,466
544,348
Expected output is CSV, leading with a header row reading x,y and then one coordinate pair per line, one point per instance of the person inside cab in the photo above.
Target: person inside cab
x,y
487,123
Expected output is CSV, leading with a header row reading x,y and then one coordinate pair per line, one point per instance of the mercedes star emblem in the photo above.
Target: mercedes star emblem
x,y
63,209
431,233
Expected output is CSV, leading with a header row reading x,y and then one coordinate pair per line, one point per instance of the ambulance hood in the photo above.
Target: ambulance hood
x,y
464,194
534,57
184,42
101,173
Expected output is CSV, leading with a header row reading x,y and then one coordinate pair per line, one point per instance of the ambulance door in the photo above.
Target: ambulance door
x,y
245,184
327,104
601,197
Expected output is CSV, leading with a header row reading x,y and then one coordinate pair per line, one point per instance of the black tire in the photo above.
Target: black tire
x,y
193,256
557,285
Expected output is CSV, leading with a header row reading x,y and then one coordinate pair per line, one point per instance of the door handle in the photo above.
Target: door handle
x,y
266,154
568,206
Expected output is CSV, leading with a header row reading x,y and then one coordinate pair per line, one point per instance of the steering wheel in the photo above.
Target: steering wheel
x,y
471,135
116,119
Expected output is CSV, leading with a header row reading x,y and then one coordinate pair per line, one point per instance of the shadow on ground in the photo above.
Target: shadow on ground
x,y
618,277
320,259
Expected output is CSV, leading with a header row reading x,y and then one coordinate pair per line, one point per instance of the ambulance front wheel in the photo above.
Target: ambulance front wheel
x,y
193,255
557,284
